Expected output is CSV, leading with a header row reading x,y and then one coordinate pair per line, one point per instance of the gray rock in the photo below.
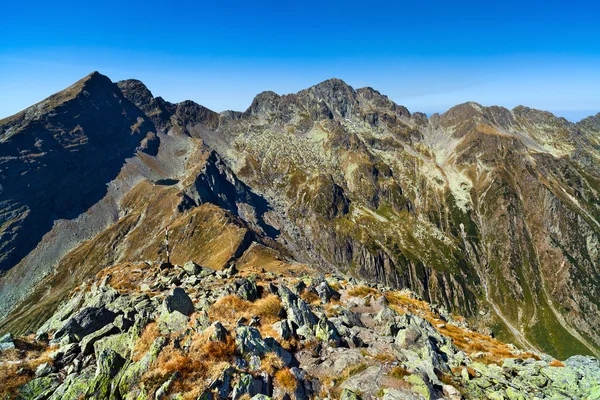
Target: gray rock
x,y
298,311
219,332
246,289
179,301
86,321
326,332
39,388
349,395
249,341
66,354
246,385
44,369
6,342
119,343
161,392
87,343
108,364
325,292
172,322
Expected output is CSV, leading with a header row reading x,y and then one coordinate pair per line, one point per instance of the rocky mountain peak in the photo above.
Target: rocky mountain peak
x,y
264,102
340,97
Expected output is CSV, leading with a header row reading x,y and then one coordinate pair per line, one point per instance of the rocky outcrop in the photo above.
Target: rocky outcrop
x,y
335,338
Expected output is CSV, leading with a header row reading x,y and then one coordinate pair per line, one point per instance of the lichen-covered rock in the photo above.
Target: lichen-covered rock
x,y
39,388
325,292
246,289
326,332
87,343
349,395
44,370
119,343
172,322
74,386
298,311
219,333
86,321
249,341
109,363
161,392
247,385
134,371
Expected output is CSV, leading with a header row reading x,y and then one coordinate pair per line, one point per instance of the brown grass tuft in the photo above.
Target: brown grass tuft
x,y
142,345
271,363
556,363
398,372
286,380
361,291
219,351
24,360
310,297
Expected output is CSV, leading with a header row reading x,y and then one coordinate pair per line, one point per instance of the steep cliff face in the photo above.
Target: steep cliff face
x,y
490,212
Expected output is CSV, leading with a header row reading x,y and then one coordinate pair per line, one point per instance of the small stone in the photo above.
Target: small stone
x,y
44,369
219,333
349,395
6,342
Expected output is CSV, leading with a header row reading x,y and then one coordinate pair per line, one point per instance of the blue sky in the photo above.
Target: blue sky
x,y
427,55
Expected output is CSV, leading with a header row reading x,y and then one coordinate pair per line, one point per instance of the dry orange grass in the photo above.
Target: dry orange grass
x,y
126,277
398,372
362,291
286,380
230,308
271,363
556,363
204,361
24,360
143,344
310,297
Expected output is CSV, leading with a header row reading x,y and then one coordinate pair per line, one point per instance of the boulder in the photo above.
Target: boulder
x,y
219,332
179,301
326,332
108,364
298,311
134,371
249,341
66,354
87,343
119,343
325,292
86,321
44,369
161,392
172,322
246,289
247,385
39,388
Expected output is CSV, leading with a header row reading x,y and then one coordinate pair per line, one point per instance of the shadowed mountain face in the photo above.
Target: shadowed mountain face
x,y
492,213
58,156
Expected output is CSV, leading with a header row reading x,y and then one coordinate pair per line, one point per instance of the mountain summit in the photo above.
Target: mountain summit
x,y
490,213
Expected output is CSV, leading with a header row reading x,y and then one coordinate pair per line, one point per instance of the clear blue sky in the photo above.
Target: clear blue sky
x,y
426,55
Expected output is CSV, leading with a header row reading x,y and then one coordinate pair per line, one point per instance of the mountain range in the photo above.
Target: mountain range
x,y
486,212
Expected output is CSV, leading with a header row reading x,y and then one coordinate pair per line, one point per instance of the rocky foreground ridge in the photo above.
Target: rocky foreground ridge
x,y
272,329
